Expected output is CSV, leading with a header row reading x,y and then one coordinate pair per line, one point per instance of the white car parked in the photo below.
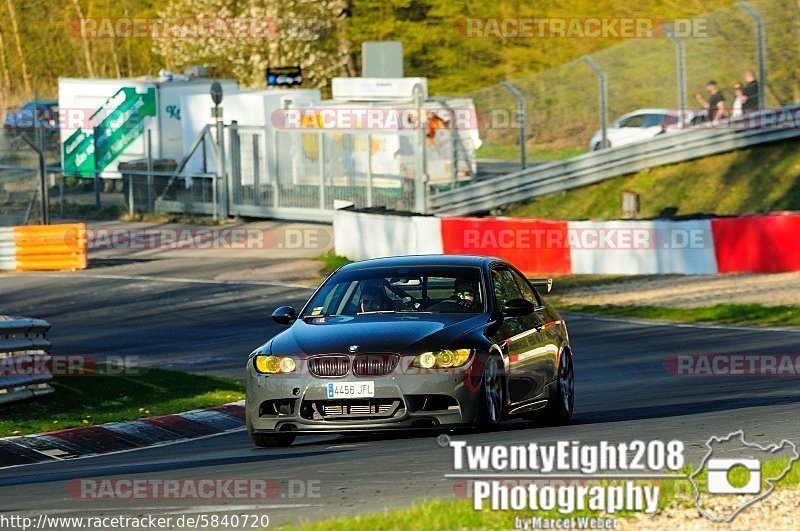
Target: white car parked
x,y
641,124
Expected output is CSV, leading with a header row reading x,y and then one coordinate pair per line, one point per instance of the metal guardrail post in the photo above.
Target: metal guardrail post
x,y
761,51
680,59
20,340
603,99
522,117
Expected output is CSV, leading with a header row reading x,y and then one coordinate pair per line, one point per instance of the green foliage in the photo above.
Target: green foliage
x,y
325,37
332,262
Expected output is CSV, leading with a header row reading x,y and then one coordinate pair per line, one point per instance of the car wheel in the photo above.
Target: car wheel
x,y
561,402
268,441
492,393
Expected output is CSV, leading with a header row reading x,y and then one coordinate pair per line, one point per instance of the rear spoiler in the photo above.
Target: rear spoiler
x,y
546,283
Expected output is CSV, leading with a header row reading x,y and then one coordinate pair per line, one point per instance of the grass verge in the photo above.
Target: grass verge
x,y
459,514
733,314
99,398
490,150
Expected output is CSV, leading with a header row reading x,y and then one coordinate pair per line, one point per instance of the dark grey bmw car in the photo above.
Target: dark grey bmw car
x,y
411,342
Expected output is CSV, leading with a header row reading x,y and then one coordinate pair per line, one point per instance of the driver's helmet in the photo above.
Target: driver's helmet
x,y
464,289
373,298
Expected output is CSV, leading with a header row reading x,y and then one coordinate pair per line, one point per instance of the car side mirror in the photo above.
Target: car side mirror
x,y
284,315
518,307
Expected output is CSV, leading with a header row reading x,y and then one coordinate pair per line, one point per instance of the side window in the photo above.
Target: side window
x,y
505,286
633,121
528,293
653,120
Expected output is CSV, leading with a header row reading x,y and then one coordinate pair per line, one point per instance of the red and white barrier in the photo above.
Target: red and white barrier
x,y
360,236
767,243
642,247
535,246
697,247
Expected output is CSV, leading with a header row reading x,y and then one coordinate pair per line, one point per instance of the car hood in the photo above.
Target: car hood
x,y
399,333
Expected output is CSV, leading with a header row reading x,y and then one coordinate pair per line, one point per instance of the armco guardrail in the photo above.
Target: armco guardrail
x,y
44,247
22,338
600,165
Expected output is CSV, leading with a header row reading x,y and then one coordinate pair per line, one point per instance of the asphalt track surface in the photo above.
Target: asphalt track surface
x,y
623,392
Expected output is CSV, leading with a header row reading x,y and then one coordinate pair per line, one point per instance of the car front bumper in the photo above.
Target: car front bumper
x,y
408,398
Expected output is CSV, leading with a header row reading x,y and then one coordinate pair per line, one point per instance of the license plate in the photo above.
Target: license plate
x,y
351,390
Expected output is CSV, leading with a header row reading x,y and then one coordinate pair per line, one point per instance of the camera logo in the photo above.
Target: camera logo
x,y
720,472
737,481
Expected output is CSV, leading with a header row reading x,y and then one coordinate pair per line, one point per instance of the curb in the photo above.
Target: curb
x,y
117,437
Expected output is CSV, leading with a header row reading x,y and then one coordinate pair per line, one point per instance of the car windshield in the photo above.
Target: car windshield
x,y
395,290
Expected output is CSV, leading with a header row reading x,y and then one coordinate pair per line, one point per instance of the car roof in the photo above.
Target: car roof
x,y
647,111
422,260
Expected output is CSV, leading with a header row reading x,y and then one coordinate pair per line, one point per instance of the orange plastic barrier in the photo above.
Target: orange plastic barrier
x,y
50,247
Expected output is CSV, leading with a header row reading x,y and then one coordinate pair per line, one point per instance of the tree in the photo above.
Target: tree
x,y
250,35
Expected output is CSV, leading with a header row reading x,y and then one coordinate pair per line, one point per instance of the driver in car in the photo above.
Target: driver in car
x,y
374,299
465,293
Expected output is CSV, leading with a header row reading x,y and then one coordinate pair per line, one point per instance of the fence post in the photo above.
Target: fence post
x,y
272,158
220,183
234,179
321,163
369,169
680,58
603,99
421,173
96,173
522,118
130,195
150,192
761,51
45,196
38,148
61,186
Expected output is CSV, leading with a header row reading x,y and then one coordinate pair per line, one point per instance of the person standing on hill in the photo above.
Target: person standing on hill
x,y
750,92
715,104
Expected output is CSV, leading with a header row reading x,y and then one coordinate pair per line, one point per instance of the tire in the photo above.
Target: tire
x,y
269,441
493,394
561,402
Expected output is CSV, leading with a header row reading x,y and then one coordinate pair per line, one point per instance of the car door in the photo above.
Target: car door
x,y
629,130
545,342
517,335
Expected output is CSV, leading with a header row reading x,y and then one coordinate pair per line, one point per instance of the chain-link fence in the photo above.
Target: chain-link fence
x,y
566,105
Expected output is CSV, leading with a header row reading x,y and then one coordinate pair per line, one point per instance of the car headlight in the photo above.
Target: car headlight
x,y
274,364
442,359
